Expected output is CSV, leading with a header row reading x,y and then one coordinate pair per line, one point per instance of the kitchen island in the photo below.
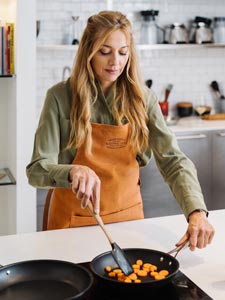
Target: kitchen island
x,y
205,267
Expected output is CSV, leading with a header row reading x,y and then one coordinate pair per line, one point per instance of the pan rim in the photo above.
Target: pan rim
x,y
55,261
153,282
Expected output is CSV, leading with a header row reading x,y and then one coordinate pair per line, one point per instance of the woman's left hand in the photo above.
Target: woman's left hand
x,y
199,232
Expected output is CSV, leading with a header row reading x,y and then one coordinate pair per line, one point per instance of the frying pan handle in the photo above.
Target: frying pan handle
x,y
176,250
99,220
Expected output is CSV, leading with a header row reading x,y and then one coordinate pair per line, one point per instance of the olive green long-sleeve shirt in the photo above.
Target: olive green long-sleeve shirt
x,y
51,161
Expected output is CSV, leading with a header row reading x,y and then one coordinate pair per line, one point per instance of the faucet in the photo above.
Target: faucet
x,y
66,72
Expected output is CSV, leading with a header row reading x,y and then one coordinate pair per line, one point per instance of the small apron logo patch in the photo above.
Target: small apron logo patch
x,y
116,143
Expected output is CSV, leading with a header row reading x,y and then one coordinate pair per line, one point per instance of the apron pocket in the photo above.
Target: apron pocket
x,y
132,213
78,221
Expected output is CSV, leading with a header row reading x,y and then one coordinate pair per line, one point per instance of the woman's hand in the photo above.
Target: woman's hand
x,y
86,185
199,232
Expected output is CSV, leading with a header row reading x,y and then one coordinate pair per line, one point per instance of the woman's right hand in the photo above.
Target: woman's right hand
x,y
86,185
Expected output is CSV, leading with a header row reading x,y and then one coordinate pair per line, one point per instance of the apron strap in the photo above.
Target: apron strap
x,y
46,210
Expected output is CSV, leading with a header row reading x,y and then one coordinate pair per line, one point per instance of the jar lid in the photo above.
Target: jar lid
x,y
219,19
184,104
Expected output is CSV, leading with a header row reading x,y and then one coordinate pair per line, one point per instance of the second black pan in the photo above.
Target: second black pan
x,y
44,280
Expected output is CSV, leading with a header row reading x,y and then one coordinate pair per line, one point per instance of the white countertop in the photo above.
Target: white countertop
x,y
206,267
197,124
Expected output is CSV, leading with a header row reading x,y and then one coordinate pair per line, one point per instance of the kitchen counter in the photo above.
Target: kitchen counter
x,y
197,124
205,267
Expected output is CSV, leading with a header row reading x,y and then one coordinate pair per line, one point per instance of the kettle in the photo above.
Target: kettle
x,y
176,33
203,34
200,31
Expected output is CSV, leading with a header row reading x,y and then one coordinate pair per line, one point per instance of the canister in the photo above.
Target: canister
x,y
219,30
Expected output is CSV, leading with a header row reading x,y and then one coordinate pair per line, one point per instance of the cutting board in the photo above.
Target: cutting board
x,y
214,117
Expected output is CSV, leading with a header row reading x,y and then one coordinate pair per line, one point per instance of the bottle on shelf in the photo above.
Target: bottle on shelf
x,y
149,28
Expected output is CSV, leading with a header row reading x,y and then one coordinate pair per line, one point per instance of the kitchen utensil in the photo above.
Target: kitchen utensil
x,y
44,279
203,34
214,117
167,91
75,40
149,82
219,30
161,259
164,107
219,95
38,27
149,30
215,86
117,252
200,31
177,249
175,33
201,110
184,109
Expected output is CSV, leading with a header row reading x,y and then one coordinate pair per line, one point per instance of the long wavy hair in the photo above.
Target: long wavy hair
x,y
129,90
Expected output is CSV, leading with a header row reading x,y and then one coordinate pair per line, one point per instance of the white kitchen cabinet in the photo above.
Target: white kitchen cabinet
x,y
17,120
218,169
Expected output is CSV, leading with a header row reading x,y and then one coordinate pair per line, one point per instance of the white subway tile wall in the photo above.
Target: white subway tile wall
x,y
190,70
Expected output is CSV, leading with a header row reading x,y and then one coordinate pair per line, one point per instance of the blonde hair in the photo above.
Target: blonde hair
x,y
129,96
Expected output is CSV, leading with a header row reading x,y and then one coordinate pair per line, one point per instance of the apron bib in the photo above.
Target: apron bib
x,y
114,161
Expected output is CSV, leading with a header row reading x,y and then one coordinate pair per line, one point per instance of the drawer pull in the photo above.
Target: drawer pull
x,y
222,134
191,137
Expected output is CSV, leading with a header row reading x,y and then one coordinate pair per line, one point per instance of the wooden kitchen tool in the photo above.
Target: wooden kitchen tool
x,y
117,252
214,117
167,92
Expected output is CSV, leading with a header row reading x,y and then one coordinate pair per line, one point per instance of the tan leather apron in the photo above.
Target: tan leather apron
x,y
114,161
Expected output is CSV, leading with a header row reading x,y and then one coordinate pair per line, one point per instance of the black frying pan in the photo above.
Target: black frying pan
x,y
44,280
161,259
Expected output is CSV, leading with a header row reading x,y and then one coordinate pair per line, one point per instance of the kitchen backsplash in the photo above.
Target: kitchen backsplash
x,y
190,70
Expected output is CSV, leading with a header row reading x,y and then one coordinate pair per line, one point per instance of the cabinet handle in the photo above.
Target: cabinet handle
x,y
191,137
222,134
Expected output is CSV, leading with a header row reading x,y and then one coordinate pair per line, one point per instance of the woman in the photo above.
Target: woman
x,y
96,130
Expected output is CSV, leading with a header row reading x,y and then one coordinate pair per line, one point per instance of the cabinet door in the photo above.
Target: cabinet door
x,y
157,198
218,169
196,145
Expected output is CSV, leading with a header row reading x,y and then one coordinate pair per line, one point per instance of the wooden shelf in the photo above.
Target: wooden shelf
x,y
57,47
7,76
6,177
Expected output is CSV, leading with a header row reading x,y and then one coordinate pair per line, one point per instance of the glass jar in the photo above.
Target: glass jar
x,y
219,30
149,31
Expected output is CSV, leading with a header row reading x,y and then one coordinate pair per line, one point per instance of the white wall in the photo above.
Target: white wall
x,y
189,70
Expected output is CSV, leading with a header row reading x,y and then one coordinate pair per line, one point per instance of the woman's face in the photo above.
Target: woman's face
x,y
109,62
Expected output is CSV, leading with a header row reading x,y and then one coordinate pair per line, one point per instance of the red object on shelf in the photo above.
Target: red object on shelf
x,y
164,107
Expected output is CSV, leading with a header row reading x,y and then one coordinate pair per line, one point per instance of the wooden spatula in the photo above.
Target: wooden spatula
x,y
117,252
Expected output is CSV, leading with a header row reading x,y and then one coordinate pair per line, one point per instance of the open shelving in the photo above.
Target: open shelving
x,y
6,177
7,76
139,47
17,122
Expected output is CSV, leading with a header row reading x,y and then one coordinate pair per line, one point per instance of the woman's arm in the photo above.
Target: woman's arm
x,y
50,163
